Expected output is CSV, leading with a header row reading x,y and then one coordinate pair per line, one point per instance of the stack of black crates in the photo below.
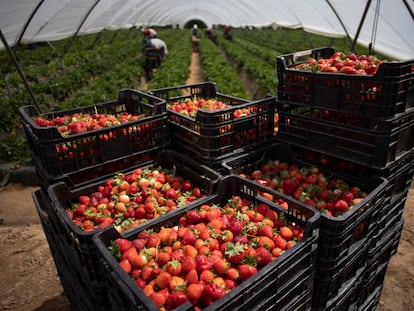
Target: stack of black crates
x,y
364,126
213,137
69,166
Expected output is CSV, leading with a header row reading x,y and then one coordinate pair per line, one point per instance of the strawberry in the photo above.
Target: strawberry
x,y
123,244
347,196
42,122
193,217
189,263
175,299
341,206
235,226
289,186
203,263
246,271
263,256
235,252
173,267
194,292
266,230
212,292
163,279
189,238
125,265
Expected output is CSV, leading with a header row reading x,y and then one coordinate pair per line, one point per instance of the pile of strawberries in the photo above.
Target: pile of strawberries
x,y
127,200
340,62
189,107
208,253
83,122
331,195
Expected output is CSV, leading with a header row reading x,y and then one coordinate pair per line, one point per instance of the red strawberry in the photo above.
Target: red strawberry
x,y
341,206
189,238
235,226
175,299
235,252
263,256
246,271
213,292
123,244
289,186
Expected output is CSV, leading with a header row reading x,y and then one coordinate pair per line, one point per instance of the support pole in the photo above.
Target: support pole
x,y
364,15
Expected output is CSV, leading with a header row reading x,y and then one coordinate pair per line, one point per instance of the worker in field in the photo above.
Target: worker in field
x,y
156,46
195,37
227,33
211,35
154,51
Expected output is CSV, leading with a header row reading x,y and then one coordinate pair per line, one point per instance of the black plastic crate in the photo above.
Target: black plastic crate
x,y
399,173
370,293
390,216
347,297
287,279
377,145
334,281
84,177
215,134
58,156
81,249
81,295
388,92
382,251
338,235
400,176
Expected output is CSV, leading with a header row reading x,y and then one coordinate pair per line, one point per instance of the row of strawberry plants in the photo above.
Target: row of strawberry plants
x,y
215,68
125,74
267,54
43,65
283,40
258,70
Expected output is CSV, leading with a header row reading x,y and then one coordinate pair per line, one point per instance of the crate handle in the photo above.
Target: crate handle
x,y
296,55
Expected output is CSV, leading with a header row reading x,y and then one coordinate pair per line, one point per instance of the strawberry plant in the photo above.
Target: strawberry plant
x,y
263,73
215,67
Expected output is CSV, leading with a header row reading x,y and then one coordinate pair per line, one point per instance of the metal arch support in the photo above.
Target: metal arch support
x,y
79,27
26,25
364,15
339,19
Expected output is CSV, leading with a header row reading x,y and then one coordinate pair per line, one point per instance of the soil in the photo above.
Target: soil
x,y
29,281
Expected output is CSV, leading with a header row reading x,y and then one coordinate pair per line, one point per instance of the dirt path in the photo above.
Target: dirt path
x,y
195,70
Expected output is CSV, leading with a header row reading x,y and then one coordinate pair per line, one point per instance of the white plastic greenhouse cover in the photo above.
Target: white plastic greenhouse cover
x,y
391,31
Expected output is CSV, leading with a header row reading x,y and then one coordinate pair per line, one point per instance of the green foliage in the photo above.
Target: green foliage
x,y
216,68
258,69
14,149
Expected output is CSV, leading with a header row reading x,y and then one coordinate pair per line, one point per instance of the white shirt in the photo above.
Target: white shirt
x,y
158,44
